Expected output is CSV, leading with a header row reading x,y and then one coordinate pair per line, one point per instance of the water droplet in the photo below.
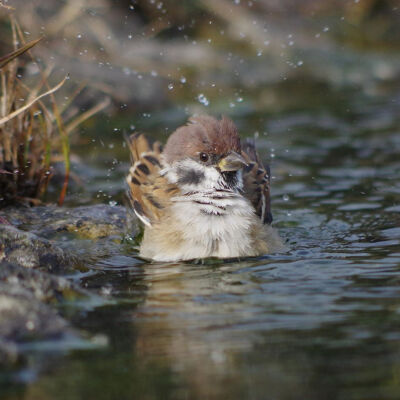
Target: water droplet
x,y
170,86
300,63
30,325
326,29
112,203
285,197
239,99
259,53
203,99
231,105
106,290
237,1
182,79
79,36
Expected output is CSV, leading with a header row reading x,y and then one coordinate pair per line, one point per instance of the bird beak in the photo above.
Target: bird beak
x,y
232,162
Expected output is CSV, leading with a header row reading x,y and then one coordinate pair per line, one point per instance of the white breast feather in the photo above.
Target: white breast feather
x,y
215,221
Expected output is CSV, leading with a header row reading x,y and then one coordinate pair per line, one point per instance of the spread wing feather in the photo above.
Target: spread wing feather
x,y
256,182
149,193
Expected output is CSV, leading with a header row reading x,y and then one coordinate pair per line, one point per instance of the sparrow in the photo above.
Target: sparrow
x,y
203,195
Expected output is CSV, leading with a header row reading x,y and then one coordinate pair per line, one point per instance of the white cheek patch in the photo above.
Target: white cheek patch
x,y
180,172
208,176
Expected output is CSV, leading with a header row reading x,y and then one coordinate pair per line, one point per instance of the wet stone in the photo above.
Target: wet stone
x,y
42,286
37,245
25,310
92,222
23,317
30,251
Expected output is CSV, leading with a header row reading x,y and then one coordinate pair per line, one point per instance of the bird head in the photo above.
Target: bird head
x,y
205,154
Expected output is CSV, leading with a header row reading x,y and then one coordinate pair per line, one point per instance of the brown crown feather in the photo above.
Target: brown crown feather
x,y
202,134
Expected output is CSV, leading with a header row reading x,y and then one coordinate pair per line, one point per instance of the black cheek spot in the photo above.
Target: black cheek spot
x,y
189,177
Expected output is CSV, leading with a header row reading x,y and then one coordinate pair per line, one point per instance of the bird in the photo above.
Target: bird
x,y
202,195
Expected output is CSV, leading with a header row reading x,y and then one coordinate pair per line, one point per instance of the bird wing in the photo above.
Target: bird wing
x,y
148,191
256,182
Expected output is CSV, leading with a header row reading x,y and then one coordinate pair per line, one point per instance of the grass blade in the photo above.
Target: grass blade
x,y
26,106
9,57
86,115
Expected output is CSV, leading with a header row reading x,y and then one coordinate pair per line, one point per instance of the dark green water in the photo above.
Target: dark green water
x,y
321,321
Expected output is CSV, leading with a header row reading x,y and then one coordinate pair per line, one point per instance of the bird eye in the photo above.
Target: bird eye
x,y
203,157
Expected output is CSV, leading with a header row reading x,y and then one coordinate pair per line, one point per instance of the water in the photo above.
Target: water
x,y
320,321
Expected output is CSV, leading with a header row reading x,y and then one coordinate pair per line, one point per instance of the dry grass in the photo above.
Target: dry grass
x,y
32,129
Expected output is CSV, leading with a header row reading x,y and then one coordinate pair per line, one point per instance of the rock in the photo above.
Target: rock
x,y
97,221
27,299
30,265
23,317
30,251
102,225
42,286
